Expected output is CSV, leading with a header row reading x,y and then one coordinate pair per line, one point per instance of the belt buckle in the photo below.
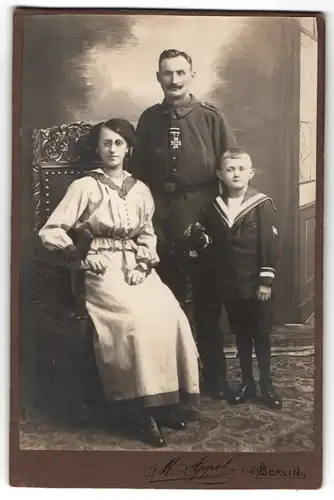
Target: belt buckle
x,y
169,187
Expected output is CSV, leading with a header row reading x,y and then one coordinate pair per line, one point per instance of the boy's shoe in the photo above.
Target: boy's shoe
x,y
243,394
271,399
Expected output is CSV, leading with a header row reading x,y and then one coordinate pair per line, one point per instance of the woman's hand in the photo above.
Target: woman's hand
x,y
263,292
135,277
96,263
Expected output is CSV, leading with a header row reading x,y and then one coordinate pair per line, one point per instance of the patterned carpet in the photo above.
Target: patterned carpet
x,y
250,427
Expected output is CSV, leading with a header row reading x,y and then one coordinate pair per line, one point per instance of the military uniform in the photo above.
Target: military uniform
x,y
244,252
178,150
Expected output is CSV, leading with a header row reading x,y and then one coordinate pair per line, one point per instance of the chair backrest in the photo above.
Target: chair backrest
x,y
58,157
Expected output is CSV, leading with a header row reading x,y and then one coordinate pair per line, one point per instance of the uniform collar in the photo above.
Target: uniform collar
x,y
181,109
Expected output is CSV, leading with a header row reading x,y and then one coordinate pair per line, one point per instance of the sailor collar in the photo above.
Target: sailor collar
x,y
251,200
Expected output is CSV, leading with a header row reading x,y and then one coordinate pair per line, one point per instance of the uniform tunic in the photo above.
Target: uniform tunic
x,y
143,342
180,145
178,150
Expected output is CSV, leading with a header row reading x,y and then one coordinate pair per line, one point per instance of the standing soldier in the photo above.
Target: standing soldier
x,y
180,142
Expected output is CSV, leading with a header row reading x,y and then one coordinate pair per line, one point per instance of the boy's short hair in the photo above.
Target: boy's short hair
x,y
234,153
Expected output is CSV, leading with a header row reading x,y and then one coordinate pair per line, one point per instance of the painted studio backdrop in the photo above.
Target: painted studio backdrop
x,y
260,72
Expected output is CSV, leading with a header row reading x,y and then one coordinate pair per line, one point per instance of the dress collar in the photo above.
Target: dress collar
x,y
122,190
100,170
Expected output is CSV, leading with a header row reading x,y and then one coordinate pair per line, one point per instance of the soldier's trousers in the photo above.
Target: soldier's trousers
x,y
192,282
251,323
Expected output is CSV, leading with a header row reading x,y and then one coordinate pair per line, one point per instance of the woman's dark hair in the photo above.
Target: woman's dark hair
x,y
118,125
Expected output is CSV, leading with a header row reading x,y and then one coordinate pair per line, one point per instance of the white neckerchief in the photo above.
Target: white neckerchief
x,y
233,205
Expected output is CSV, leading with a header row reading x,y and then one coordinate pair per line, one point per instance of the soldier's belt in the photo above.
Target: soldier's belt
x,y
185,187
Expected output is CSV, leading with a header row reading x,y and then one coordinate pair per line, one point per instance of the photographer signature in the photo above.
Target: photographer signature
x,y
201,471
204,472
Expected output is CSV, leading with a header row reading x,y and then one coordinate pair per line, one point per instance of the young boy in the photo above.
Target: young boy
x,y
242,229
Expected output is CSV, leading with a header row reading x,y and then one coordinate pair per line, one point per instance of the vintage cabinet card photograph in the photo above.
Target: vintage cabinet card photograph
x,y
167,214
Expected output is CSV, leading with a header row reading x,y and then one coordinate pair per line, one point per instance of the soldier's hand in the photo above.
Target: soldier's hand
x,y
198,239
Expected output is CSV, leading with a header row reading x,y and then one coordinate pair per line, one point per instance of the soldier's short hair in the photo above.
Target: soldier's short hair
x,y
171,53
233,153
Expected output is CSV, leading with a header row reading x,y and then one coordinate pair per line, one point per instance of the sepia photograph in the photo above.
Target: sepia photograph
x,y
167,262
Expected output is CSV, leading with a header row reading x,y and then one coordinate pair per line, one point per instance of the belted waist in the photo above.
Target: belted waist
x,y
113,244
183,187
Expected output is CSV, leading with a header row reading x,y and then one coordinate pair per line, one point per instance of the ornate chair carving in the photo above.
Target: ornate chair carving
x,y
65,353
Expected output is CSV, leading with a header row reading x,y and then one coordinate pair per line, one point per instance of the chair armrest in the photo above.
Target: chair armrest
x,y
53,268
56,258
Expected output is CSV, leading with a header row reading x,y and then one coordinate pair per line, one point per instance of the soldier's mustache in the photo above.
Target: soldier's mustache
x,y
175,87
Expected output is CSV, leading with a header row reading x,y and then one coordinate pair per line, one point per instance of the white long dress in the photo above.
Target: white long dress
x,y
143,342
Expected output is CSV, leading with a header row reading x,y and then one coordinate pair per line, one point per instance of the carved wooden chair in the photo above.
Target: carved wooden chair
x,y
65,357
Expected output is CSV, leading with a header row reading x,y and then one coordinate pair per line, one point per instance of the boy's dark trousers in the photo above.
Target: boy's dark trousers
x,y
251,322
193,283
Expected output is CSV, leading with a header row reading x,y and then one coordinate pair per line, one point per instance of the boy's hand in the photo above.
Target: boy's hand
x,y
263,292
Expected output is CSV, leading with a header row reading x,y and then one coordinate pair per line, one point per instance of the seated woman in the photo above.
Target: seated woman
x,y
143,343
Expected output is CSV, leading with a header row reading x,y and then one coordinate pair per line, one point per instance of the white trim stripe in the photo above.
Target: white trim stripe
x,y
220,210
267,274
250,204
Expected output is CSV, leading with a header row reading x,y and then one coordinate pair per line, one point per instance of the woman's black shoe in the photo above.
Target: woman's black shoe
x,y
151,432
172,423
191,415
244,393
172,418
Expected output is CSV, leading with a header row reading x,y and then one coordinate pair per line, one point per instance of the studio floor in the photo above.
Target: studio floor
x,y
247,428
